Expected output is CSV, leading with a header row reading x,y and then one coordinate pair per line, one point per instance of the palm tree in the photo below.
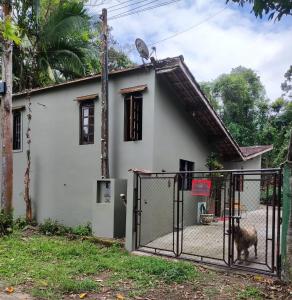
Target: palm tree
x,y
63,47
58,41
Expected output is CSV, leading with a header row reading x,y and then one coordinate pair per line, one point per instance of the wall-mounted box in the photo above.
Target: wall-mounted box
x,y
108,210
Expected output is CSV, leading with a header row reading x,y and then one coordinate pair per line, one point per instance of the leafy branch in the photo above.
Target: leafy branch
x,y
9,31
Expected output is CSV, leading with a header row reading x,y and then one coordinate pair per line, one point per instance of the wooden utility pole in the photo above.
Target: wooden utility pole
x,y
6,121
104,96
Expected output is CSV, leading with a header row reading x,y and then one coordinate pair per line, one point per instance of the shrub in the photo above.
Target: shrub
x,y
82,230
6,223
52,227
21,222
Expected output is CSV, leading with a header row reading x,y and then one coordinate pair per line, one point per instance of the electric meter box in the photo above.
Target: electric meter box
x,y
109,210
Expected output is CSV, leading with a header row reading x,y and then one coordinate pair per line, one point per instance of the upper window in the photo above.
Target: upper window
x,y
185,181
86,122
133,117
17,140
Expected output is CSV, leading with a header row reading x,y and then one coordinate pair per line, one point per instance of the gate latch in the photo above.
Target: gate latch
x,y
235,217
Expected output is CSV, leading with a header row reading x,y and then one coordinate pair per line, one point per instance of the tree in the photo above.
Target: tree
x,y
281,121
241,94
58,40
247,113
8,34
208,90
65,42
272,8
287,84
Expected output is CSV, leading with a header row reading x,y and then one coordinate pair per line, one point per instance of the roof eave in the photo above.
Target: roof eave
x,y
84,79
259,153
195,85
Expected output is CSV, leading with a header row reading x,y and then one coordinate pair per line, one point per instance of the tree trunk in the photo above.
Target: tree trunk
x,y
27,198
6,126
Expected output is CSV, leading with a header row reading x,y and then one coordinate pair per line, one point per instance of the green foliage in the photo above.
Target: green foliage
x,y
6,223
250,292
61,47
208,90
82,230
53,227
60,43
287,84
272,8
241,94
240,100
72,266
213,162
20,223
166,271
9,31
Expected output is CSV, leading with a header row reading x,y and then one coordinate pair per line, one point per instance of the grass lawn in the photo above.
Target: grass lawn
x,y
57,268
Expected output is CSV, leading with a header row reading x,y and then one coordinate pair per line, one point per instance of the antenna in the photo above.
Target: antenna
x,y
142,49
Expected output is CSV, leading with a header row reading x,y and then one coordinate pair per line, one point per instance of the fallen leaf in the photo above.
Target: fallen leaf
x,y
44,283
120,297
9,290
83,295
258,278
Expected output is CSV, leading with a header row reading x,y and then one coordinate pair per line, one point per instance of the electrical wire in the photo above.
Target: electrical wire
x,y
121,3
134,11
189,28
127,5
96,5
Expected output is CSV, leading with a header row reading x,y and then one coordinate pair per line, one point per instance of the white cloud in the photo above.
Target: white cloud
x,y
223,42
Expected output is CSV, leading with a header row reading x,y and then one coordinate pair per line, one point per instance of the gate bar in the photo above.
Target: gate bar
x,y
279,224
234,171
273,223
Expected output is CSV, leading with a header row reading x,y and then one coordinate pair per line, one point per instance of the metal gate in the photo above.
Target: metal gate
x,y
211,217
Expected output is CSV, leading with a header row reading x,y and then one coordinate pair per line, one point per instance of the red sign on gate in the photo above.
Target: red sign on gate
x,y
201,187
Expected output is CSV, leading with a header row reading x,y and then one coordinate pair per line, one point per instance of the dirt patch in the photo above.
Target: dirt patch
x,y
29,231
214,285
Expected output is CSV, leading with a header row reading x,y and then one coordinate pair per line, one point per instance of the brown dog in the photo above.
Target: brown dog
x,y
244,238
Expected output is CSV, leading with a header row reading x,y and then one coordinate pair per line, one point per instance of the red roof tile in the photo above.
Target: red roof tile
x,y
255,150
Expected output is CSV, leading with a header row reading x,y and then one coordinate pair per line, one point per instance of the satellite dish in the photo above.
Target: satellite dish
x,y
142,48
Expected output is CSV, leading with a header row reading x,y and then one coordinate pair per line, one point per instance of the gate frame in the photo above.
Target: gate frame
x,y
277,172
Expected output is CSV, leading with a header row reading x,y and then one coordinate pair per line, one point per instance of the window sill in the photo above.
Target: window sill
x,y
135,141
17,151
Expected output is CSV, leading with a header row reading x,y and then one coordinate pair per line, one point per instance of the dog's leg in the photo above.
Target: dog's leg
x,y
246,254
239,254
256,249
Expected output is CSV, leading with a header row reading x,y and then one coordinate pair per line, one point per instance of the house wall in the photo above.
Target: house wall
x,y
250,196
175,137
64,173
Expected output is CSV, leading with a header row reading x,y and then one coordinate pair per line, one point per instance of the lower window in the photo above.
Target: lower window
x,y
17,141
185,180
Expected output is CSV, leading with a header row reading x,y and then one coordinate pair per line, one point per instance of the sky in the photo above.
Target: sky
x,y
221,37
